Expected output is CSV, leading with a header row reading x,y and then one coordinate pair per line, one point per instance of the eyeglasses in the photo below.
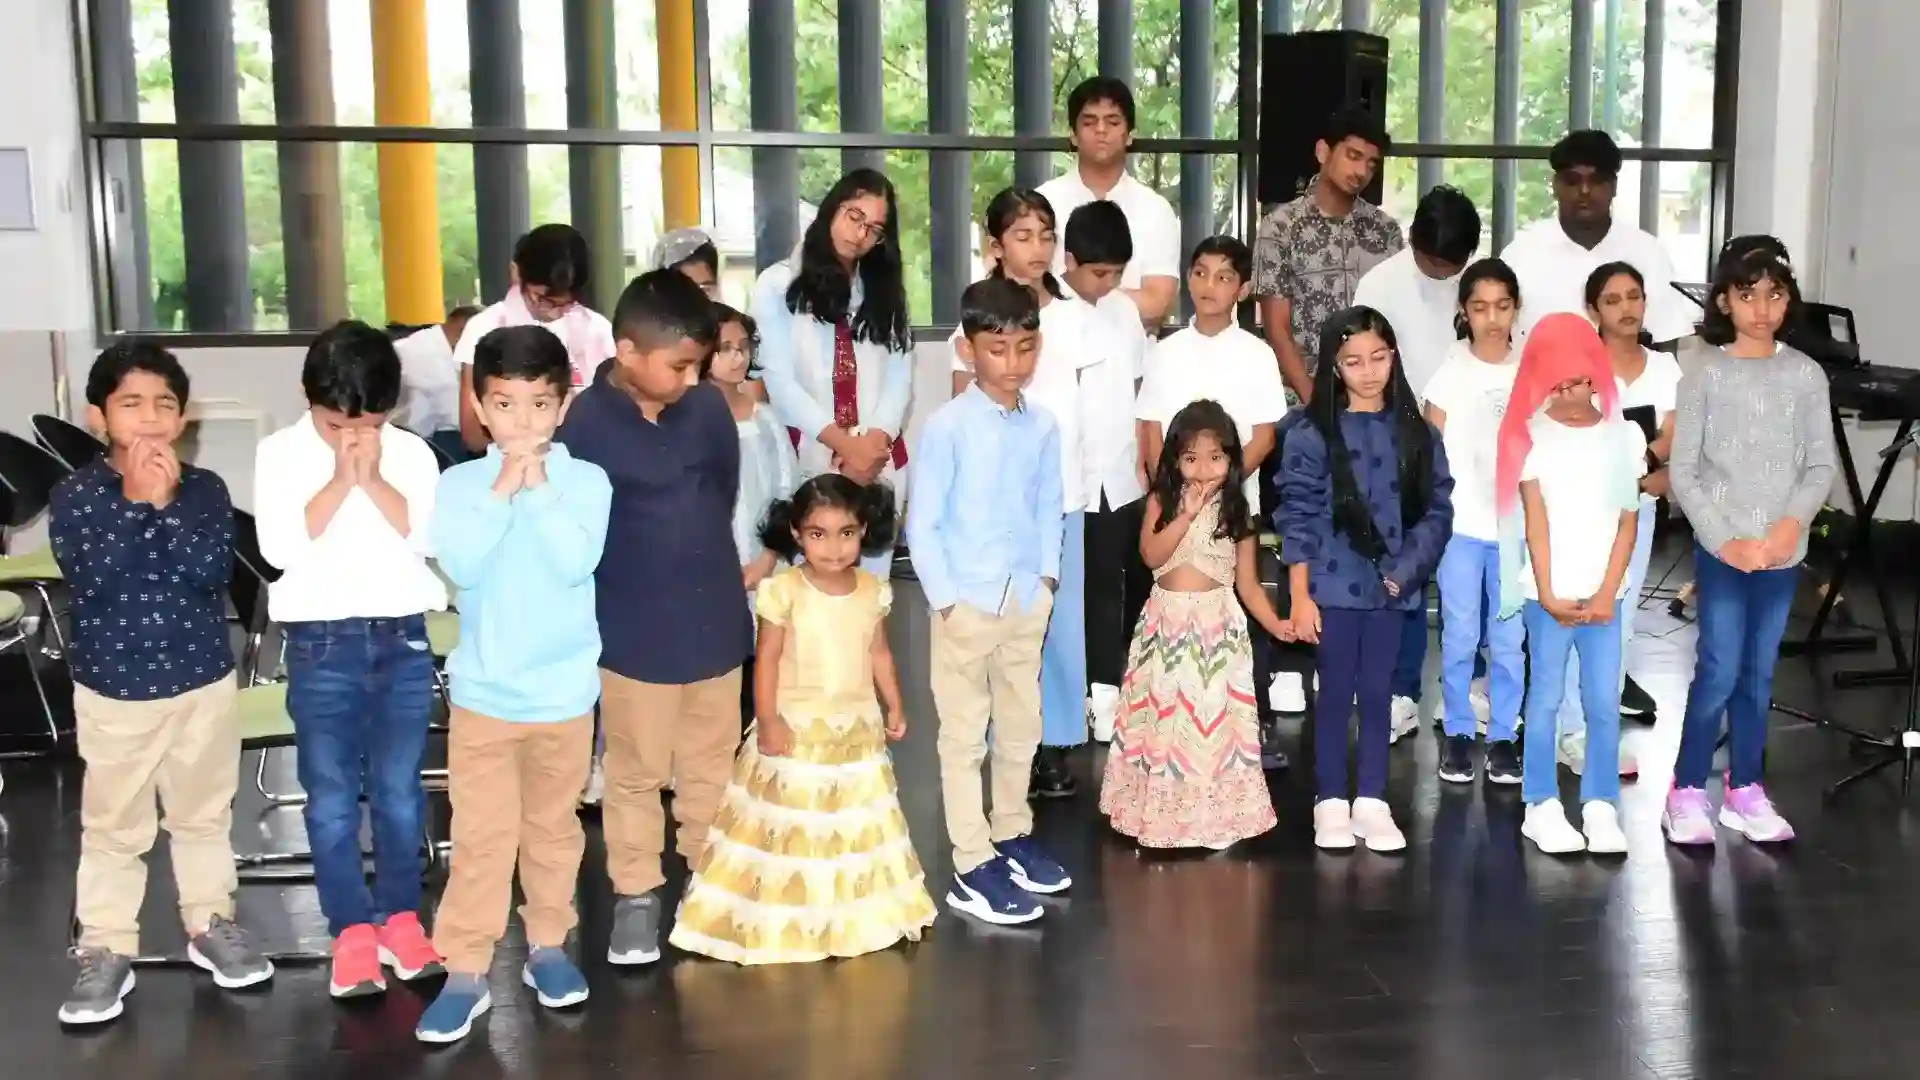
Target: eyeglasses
x,y
543,304
743,351
868,228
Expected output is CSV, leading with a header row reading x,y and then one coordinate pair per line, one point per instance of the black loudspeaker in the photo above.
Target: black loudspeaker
x,y
1306,79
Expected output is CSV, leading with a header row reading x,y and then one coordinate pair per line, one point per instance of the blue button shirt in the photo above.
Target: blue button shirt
x,y
986,521
673,607
529,636
149,586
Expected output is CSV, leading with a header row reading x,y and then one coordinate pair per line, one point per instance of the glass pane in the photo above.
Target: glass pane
x,y
1683,221
1619,46
1533,194
636,64
1687,66
1399,23
1471,68
153,62
990,72
733,216
727,63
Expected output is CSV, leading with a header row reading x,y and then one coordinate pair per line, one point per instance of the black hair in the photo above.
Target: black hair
x,y
351,368
1357,124
1009,207
1743,261
1198,418
997,306
1605,272
554,257
531,353
1100,89
870,504
1413,434
1445,226
1231,248
706,255
1594,149
463,313
661,308
121,358
822,289
1098,234
725,315
1488,269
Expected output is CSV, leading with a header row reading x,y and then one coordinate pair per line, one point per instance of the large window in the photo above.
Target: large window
x,y
268,166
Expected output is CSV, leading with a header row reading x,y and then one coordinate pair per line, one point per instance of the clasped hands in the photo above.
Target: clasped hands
x,y
523,466
153,473
862,453
1771,552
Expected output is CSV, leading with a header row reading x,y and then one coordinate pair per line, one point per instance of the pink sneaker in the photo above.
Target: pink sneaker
x,y
1750,813
404,948
1689,817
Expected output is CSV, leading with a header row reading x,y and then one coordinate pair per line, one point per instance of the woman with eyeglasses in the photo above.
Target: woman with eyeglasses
x,y
836,355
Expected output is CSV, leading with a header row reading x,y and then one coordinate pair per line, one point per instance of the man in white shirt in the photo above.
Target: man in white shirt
x,y
1100,115
1418,289
430,382
1553,258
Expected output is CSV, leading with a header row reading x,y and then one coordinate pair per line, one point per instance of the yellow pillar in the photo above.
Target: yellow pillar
x,y
409,197
679,165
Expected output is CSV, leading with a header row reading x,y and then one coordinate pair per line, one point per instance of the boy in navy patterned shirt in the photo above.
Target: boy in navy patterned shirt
x,y
146,544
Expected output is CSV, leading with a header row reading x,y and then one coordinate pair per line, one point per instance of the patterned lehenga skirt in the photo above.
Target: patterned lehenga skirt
x,y
809,856
1184,766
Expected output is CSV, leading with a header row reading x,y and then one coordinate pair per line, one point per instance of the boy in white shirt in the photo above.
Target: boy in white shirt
x,y
343,500
430,382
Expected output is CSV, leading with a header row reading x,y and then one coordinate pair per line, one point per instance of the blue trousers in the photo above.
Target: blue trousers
x,y
1598,648
1063,659
1412,658
1469,576
360,692
1358,649
1572,715
1742,618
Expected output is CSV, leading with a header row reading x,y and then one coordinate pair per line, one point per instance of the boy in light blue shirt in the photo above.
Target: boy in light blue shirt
x,y
519,533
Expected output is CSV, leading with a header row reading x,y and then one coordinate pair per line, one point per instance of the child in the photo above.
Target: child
x,y
1753,459
1575,468
1365,510
1184,770
146,545
551,272
691,252
985,534
519,533
343,500
811,857
1466,398
1020,244
672,606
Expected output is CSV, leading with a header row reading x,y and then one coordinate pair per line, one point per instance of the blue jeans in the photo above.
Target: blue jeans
x,y
1412,657
1598,647
1354,660
360,692
1063,659
1469,577
1572,717
1742,618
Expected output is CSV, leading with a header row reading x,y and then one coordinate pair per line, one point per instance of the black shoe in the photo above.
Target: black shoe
x,y
1636,704
1456,760
1503,761
1051,780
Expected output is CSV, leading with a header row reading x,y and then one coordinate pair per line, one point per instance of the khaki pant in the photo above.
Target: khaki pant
x,y
185,750
515,790
656,733
987,668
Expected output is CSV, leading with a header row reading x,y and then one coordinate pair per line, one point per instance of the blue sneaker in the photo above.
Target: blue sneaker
x,y
554,979
452,1014
1031,868
987,893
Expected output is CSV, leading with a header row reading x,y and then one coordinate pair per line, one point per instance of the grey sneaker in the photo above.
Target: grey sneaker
x,y
224,950
636,930
105,979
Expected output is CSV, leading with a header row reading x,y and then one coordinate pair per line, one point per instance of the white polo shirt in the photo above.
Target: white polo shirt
x,y
1055,386
1553,272
1150,218
1233,368
429,382
1109,437
359,567
1421,310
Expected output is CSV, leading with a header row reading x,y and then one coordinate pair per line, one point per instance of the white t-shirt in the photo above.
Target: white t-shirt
x,y
1232,367
1150,218
1109,437
1421,310
1553,272
585,332
1065,325
1473,394
429,382
1582,514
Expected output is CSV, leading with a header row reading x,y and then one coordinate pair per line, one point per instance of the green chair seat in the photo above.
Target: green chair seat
x,y
443,632
264,720
31,566
12,608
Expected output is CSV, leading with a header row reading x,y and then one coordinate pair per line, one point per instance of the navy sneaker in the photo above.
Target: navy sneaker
x,y
987,893
452,1014
554,979
1031,868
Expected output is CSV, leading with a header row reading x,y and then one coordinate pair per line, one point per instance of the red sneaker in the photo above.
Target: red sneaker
x,y
356,963
405,949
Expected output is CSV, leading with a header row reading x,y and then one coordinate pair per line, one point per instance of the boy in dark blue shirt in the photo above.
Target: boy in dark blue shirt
x,y
146,545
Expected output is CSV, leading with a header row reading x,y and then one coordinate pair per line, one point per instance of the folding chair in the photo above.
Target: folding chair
x,y
72,444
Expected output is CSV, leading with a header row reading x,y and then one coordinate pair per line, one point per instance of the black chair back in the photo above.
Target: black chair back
x,y
29,475
447,461
248,590
71,443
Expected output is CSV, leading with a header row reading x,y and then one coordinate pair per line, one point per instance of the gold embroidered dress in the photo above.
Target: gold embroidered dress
x,y
809,856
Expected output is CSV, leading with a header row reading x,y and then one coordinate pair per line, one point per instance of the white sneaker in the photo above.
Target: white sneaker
x,y
1103,707
1288,693
1373,822
1333,825
1481,703
596,785
1572,753
1547,826
1600,821
1406,717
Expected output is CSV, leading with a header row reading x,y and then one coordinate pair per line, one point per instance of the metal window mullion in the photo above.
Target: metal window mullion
x,y
1433,87
773,106
1580,67
129,281
949,178
1116,39
1196,121
1506,116
213,191
1032,87
861,92
502,205
1653,88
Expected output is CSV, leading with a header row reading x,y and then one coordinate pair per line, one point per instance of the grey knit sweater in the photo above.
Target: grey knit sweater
x,y
1752,443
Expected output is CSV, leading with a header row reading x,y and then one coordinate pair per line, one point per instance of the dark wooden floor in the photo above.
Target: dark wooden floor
x,y
1469,956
